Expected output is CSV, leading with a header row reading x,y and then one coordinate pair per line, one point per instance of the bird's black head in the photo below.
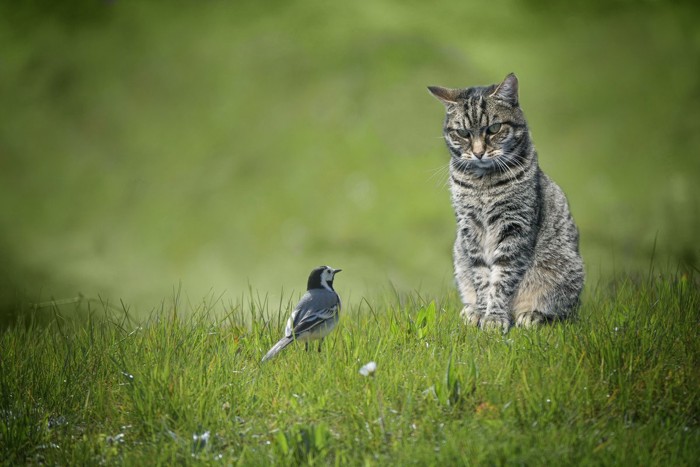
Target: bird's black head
x,y
322,278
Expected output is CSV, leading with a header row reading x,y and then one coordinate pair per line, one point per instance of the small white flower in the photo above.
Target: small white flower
x,y
368,369
200,440
116,439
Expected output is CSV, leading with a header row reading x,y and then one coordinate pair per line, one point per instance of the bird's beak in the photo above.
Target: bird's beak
x,y
336,271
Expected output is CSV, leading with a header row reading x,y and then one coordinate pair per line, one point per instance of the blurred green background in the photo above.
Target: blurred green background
x,y
226,144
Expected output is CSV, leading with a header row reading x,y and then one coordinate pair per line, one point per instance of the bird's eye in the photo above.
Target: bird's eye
x,y
493,129
464,133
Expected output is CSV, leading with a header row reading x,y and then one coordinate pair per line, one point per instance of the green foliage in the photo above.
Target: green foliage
x,y
616,386
303,445
425,321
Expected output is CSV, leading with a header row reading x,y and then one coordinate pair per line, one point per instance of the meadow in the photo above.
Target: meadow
x,y
618,386
170,174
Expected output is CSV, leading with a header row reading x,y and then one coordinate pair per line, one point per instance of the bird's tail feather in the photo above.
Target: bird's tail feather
x,y
278,347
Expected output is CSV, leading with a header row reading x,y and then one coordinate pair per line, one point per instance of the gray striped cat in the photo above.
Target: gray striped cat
x,y
516,256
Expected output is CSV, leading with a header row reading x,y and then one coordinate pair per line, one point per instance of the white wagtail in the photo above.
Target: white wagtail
x,y
315,315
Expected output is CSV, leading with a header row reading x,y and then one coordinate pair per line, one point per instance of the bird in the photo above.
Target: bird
x,y
315,315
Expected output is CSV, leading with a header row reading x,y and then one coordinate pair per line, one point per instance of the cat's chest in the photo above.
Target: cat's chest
x,y
480,212
479,226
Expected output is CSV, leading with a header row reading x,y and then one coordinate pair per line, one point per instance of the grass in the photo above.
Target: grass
x,y
618,386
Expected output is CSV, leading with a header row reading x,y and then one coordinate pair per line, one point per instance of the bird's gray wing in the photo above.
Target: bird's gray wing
x,y
304,306
314,308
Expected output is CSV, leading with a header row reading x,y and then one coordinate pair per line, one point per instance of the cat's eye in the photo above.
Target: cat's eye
x,y
463,132
493,129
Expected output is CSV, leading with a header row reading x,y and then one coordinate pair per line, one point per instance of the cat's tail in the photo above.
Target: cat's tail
x,y
277,348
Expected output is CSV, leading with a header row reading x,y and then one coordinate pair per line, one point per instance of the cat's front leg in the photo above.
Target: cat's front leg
x,y
498,321
470,313
508,246
466,279
504,278
497,315
474,302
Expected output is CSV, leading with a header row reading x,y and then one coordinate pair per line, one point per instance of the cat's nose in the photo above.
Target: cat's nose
x,y
478,148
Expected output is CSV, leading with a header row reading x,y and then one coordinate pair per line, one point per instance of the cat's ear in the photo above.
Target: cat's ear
x,y
445,95
508,89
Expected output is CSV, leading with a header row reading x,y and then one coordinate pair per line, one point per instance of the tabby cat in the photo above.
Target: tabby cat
x,y
516,256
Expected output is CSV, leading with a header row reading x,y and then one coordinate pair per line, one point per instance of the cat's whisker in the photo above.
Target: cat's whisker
x,y
511,169
441,174
502,166
440,168
520,165
462,164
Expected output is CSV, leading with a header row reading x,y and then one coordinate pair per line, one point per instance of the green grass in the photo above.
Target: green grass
x,y
618,386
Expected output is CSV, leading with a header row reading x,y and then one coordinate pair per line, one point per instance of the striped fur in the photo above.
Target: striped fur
x,y
516,256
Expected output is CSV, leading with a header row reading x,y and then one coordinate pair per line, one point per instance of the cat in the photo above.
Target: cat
x,y
516,255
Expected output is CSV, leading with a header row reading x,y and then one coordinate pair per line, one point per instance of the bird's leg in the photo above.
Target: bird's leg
x,y
319,344
306,346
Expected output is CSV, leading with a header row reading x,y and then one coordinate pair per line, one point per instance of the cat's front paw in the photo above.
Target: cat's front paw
x,y
498,321
470,315
529,319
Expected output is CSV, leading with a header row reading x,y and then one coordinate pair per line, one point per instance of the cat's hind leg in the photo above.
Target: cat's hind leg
x,y
530,319
541,298
530,305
